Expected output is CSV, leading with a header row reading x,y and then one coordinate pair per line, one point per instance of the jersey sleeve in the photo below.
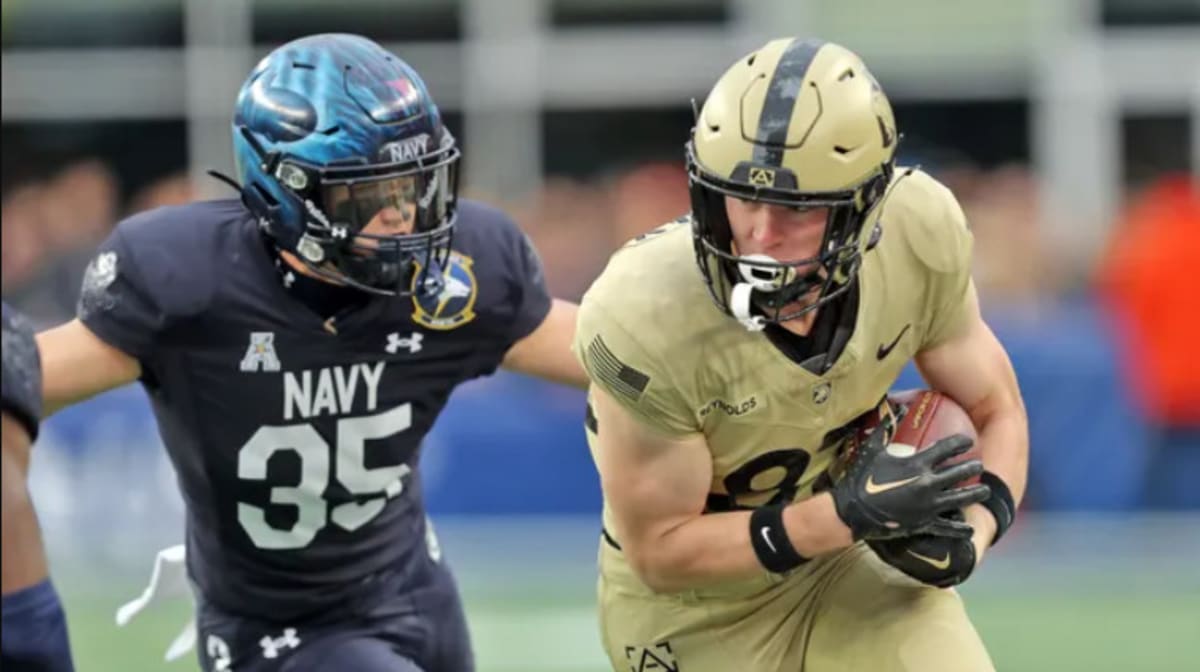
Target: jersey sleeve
x,y
510,270
634,376
950,292
139,285
22,371
513,298
943,243
532,298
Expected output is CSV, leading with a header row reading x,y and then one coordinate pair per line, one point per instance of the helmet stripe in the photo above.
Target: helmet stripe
x,y
780,101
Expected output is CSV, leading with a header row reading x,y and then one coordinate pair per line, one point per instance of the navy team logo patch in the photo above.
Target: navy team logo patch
x,y
454,305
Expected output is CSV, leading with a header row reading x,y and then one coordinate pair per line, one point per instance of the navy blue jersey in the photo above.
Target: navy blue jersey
x,y
22,374
295,439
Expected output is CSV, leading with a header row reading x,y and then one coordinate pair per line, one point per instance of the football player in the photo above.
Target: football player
x,y
34,628
720,395
297,344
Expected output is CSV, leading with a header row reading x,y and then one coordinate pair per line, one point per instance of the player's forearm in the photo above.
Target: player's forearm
x,y
705,550
22,558
1004,442
21,555
546,353
716,547
814,527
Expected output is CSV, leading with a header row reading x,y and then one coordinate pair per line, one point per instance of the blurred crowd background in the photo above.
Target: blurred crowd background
x,y
1069,130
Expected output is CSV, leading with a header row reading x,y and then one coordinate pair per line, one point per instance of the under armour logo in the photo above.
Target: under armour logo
x,y
412,343
271,646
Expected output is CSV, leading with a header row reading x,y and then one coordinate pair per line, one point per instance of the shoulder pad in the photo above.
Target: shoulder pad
x,y
178,254
637,325
928,216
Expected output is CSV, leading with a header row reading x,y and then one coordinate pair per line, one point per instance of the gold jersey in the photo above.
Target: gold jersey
x,y
651,336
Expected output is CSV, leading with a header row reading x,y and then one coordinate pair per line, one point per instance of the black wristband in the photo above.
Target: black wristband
x,y
770,540
1000,503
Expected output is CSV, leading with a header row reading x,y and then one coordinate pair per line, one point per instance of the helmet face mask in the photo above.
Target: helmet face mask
x,y
410,209
800,125
345,161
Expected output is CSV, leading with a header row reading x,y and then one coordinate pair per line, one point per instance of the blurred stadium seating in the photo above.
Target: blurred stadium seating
x,y
1046,118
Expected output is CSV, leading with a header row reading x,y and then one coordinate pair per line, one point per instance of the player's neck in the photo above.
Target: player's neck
x,y
803,325
297,266
322,296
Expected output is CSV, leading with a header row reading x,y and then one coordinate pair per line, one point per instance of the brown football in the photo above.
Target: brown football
x,y
928,417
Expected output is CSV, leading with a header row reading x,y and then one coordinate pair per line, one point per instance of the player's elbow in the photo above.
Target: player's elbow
x,y
652,572
657,568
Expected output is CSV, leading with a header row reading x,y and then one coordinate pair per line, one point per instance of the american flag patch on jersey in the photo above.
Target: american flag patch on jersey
x,y
614,373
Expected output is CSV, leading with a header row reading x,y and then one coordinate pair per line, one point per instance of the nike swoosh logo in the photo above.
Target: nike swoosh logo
x,y
885,350
874,488
767,538
944,563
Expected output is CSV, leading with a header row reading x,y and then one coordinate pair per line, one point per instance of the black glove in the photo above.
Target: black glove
x,y
882,496
929,558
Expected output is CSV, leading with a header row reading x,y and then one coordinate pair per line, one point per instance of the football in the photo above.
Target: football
x,y
926,417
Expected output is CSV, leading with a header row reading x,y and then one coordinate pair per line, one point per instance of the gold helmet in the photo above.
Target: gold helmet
x,y
800,123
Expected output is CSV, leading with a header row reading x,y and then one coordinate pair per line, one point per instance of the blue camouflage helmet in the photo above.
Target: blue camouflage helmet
x,y
331,133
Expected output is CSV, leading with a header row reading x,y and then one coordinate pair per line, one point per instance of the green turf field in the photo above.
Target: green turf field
x,y
1047,600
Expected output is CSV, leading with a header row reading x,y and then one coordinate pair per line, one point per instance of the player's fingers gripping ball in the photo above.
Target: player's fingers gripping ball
x,y
906,467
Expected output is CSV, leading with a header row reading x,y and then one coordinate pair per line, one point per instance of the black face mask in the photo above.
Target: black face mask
x,y
379,228
757,290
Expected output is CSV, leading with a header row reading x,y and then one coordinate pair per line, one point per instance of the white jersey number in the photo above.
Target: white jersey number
x,y
308,495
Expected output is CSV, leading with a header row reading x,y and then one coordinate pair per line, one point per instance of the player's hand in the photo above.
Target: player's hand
x,y
932,559
884,496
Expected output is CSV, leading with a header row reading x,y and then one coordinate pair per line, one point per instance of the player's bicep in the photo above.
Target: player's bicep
x,y
77,364
971,367
653,482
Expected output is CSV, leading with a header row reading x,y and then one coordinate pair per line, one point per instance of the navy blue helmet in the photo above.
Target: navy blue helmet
x,y
332,132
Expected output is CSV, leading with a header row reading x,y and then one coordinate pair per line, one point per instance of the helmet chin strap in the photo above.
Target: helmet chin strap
x,y
740,300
